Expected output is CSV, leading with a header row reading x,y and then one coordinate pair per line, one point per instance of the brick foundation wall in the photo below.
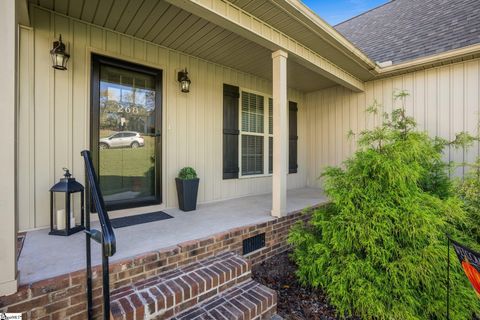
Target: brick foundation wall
x,y
63,297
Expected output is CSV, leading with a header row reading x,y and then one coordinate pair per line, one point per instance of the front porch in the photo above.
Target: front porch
x,y
45,256
242,127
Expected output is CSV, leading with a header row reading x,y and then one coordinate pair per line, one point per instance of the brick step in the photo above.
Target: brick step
x,y
168,294
246,301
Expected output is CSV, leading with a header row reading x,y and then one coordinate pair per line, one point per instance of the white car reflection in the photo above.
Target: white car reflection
x,y
124,139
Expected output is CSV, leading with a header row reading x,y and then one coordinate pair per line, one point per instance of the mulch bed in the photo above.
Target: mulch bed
x,y
294,301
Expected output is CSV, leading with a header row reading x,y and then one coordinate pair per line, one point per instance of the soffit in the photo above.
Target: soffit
x,y
274,13
164,24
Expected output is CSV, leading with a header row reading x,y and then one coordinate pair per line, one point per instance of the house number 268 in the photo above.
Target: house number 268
x,y
122,109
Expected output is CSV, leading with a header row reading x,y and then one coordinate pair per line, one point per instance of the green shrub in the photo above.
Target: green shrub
x,y
379,249
187,173
435,179
468,190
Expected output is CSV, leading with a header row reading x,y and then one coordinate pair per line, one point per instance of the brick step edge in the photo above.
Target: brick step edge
x,y
168,294
247,301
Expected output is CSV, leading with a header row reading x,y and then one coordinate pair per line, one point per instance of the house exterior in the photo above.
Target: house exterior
x,y
274,91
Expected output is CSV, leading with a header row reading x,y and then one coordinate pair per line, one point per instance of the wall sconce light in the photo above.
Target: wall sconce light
x,y
184,80
59,55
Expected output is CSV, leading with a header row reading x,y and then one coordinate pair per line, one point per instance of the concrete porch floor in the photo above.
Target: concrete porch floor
x,y
45,256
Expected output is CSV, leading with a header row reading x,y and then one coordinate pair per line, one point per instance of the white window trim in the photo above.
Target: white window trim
x,y
266,135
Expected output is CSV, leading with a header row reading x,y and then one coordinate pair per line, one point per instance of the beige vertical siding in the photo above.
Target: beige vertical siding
x,y
444,101
26,132
54,114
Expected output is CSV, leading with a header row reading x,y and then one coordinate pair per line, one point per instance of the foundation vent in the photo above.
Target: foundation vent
x,y
253,243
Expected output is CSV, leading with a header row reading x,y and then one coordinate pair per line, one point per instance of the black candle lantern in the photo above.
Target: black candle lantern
x,y
63,196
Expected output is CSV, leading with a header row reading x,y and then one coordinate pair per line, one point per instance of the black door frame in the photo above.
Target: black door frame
x,y
97,60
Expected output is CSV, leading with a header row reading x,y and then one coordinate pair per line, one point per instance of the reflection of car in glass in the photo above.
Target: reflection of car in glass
x,y
124,139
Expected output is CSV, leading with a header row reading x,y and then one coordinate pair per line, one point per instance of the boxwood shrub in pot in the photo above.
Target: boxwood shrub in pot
x,y
187,189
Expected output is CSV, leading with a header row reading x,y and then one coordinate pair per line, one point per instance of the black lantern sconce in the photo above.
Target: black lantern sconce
x,y
62,217
59,55
184,80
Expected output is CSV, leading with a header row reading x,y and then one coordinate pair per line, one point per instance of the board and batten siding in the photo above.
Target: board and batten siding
x,y
53,115
444,101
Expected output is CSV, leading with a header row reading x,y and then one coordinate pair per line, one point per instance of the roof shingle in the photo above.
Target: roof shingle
x,y
403,30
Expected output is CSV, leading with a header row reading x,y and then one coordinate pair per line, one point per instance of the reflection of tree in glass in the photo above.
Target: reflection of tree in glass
x,y
150,100
103,96
139,116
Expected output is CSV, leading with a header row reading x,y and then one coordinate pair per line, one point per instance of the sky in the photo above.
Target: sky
x,y
336,11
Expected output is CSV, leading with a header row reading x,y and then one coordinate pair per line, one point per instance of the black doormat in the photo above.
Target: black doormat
x,y
139,219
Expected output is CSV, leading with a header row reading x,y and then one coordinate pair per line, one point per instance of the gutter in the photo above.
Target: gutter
x,y
456,55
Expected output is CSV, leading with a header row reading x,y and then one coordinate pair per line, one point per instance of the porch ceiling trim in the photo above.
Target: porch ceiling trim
x,y
23,16
250,27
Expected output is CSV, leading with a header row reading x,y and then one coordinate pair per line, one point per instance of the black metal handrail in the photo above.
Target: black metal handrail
x,y
106,237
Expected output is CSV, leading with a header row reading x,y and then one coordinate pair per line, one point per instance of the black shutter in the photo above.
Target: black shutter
x,y
293,137
231,131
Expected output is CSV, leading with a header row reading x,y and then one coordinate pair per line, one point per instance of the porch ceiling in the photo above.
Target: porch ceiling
x,y
162,23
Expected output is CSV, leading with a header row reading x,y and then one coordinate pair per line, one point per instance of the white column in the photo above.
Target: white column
x,y
8,69
280,134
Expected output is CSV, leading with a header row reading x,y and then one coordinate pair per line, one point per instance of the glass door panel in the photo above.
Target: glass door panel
x,y
128,136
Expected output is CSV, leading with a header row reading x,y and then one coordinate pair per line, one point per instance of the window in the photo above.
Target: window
x,y
255,141
248,134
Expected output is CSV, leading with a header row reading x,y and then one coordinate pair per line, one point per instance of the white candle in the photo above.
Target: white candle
x,y
72,220
61,219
